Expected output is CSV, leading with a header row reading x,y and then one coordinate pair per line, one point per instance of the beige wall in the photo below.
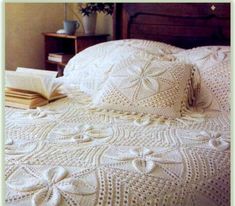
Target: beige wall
x,y
24,24
26,21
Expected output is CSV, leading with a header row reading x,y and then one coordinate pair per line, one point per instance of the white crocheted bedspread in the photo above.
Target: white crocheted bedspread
x,y
67,154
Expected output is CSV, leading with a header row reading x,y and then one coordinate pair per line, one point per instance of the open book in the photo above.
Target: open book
x,y
30,88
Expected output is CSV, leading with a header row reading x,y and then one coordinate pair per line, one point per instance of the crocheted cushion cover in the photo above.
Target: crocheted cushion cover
x,y
90,68
214,65
146,86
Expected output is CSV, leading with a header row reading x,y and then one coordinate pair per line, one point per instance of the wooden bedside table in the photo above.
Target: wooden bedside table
x,y
68,44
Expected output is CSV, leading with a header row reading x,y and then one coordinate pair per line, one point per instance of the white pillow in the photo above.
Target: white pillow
x,y
89,69
146,86
214,65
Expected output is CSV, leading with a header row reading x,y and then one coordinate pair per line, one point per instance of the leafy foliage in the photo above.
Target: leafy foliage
x,y
89,8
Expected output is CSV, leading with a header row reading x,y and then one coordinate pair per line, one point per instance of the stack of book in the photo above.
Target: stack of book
x,y
23,99
30,88
59,57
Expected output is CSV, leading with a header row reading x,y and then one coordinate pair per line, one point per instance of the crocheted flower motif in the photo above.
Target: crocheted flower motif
x,y
214,140
143,160
80,133
141,79
20,149
216,54
51,187
205,56
39,113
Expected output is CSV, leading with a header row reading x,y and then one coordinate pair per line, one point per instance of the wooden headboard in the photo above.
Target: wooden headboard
x,y
184,25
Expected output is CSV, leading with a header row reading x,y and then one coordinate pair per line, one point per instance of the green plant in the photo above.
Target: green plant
x,y
90,8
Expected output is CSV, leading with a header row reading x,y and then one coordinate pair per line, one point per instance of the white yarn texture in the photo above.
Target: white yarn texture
x,y
64,154
90,68
214,65
146,86
68,154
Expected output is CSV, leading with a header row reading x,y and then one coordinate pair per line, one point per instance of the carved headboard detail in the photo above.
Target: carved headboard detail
x,y
185,25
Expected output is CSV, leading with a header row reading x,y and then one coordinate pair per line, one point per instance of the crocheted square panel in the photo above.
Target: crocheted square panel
x,y
214,65
90,68
146,86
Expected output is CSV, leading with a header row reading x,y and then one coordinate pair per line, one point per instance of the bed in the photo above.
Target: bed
x,y
73,152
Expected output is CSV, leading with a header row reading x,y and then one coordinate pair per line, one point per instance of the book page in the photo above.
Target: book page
x,y
56,84
50,85
47,77
52,74
20,80
46,84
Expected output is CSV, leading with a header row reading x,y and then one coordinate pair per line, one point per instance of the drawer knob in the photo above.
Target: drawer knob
x,y
213,7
